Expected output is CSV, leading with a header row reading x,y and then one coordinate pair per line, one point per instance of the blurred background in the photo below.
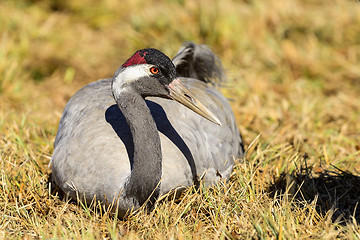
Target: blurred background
x,y
292,66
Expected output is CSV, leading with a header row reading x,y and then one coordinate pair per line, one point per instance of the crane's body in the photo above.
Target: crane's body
x,y
94,147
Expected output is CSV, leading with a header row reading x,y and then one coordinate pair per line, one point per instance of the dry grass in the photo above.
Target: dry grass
x,y
293,77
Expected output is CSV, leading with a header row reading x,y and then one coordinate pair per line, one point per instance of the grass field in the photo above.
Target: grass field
x,y
293,80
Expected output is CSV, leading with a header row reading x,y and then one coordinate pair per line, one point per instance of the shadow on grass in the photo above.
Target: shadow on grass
x,y
335,189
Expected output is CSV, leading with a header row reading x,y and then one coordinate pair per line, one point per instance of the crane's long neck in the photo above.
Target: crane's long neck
x,y
147,167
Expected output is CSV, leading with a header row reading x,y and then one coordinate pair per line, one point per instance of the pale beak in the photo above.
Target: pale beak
x,y
182,95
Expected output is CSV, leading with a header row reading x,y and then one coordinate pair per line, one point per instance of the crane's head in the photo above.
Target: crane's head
x,y
150,72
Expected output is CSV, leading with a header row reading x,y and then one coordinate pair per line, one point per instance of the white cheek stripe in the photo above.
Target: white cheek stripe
x,y
129,75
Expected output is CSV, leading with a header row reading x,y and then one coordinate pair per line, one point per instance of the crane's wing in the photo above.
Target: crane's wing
x,y
199,62
213,148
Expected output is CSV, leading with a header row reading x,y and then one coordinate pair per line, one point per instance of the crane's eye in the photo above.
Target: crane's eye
x,y
154,70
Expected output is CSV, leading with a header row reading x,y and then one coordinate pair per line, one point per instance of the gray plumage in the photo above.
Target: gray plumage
x,y
198,62
149,147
